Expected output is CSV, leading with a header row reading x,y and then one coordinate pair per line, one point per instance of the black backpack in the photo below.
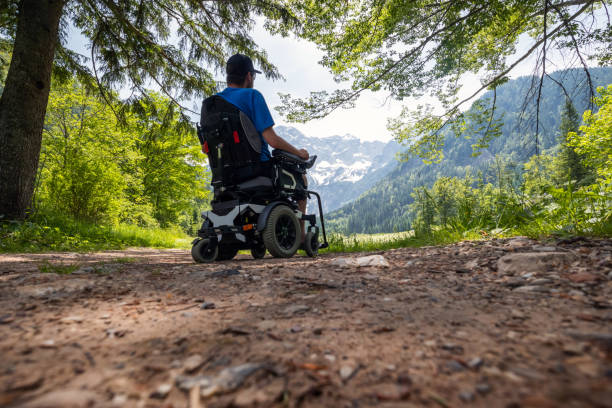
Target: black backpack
x,y
231,142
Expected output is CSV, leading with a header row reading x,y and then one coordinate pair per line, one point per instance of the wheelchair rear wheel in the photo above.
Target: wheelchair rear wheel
x,y
204,251
282,233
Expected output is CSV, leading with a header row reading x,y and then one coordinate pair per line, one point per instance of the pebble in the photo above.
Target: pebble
x,y
225,273
207,305
193,362
574,349
455,366
483,388
466,396
295,309
530,289
162,391
48,344
346,372
532,262
541,248
541,281
330,357
475,363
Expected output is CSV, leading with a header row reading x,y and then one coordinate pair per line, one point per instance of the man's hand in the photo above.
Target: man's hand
x,y
304,154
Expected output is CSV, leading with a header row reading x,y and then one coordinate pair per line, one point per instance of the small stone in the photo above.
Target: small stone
x,y
454,348
48,344
207,305
391,392
526,262
541,248
475,363
574,349
483,388
466,396
296,309
74,398
296,329
330,357
531,289
119,400
161,392
517,314
266,325
541,281
193,362
512,335
583,277
455,366
346,372
225,273
6,319
473,264
527,275
430,343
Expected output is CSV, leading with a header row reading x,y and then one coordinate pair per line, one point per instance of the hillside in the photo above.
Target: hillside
x,y
343,163
385,207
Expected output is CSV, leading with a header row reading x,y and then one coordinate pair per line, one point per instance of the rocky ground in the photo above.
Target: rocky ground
x,y
500,323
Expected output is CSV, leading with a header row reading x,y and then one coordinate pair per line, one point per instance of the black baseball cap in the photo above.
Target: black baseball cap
x,y
239,65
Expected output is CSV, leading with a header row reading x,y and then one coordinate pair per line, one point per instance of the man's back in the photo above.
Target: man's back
x,y
252,103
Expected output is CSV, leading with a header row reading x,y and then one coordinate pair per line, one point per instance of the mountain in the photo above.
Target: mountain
x,y
385,207
346,166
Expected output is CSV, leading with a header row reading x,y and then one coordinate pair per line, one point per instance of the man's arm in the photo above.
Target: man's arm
x,y
278,142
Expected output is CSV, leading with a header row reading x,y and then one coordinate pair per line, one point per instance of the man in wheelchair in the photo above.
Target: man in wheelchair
x,y
259,198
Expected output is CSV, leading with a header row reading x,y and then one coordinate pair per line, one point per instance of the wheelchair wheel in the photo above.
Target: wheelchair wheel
x,y
226,253
282,233
311,244
204,251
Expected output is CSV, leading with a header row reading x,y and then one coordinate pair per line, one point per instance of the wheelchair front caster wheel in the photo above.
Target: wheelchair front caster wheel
x,y
204,251
311,244
281,235
226,253
258,252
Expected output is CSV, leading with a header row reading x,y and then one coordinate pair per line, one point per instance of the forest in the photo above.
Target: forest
x,y
93,157
503,185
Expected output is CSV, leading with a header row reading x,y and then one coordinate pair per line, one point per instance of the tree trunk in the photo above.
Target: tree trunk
x,y
24,102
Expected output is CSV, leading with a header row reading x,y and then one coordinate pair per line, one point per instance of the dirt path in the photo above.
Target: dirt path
x,y
490,324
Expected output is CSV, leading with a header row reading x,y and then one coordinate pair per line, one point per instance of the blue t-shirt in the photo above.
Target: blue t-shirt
x,y
252,103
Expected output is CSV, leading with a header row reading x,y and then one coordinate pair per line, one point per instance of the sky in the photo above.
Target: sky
x,y
297,61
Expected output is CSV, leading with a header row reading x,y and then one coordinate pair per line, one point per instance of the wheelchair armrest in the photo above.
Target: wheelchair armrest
x,y
284,155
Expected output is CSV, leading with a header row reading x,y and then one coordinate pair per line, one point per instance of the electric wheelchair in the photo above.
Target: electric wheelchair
x,y
254,204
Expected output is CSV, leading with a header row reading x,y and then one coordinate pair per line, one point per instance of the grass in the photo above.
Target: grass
x,y
49,233
47,267
378,242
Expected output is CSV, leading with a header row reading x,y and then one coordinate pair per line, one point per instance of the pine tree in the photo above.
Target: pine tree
x,y
571,167
131,45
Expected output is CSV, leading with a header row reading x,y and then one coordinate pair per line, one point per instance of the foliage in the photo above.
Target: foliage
x,y
149,173
413,48
133,43
571,164
387,206
594,141
45,232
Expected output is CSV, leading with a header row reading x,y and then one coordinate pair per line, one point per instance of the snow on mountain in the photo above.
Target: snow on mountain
x,y
346,166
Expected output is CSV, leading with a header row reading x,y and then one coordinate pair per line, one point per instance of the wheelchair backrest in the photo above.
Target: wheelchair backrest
x,y
230,140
